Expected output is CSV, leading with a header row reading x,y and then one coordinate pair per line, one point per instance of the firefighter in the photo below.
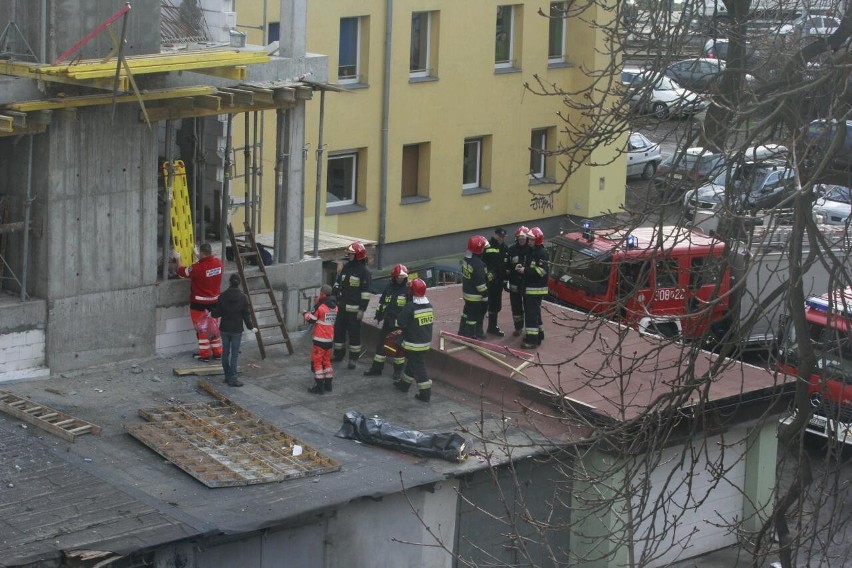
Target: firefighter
x,y
517,259
353,294
535,271
474,288
205,282
415,321
322,317
392,300
495,263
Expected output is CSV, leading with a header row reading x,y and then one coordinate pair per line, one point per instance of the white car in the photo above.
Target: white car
x,y
834,206
657,94
811,26
643,156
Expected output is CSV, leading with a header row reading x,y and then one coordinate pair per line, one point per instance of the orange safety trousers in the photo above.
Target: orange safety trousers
x,y
321,362
206,344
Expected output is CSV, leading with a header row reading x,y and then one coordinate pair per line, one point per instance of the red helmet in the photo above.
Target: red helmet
x,y
476,244
522,232
399,270
418,288
538,235
357,250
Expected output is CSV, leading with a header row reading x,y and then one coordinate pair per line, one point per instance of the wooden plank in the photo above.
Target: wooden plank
x,y
199,370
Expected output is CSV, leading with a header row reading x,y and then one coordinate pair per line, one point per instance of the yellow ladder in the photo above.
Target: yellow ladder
x,y
183,240
265,313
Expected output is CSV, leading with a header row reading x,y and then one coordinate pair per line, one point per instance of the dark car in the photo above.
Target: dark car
x,y
688,168
756,63
753,186
699,73
823,135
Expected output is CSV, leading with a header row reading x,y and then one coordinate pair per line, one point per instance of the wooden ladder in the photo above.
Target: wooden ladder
x,y
58,423
265,313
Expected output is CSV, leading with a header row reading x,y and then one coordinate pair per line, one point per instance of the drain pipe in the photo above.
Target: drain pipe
x,y
383,183
27,205
320,148
226,188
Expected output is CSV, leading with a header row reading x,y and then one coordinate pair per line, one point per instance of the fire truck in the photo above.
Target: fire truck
x,y
658,279
829,330
679,282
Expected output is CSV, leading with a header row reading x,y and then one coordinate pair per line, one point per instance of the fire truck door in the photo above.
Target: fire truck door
x,y
633,290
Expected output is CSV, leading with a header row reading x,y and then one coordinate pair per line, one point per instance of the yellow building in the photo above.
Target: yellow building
x,y
437,137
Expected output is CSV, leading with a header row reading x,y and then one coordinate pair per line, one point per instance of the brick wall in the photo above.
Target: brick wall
x,y
22,355
175,333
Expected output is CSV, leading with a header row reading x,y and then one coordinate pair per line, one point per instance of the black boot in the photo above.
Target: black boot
x,y
351,364
397,372
327,384
517,332
478,333
540,335
424,395
463,327
374,371
318,387
402,385
493,328
337,355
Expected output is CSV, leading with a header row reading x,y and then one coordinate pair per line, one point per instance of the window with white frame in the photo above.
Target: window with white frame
x,y
556,37
349,56
538,156
504,45
421,29
342,179
472,174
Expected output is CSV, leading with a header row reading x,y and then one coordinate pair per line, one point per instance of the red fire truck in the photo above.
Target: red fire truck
x,y
660,280
829,328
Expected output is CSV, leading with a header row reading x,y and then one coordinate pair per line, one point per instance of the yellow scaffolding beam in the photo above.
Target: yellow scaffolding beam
x,y
96,100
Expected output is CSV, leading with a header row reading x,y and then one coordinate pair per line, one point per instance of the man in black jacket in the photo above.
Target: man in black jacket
x,y
353,294
536,271
416,320
474,288
517,259
392,300
232,307
495,262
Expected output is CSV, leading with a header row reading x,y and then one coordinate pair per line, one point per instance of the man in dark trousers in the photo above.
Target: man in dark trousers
x,y
233,308
535,270
474,288
352,290
415,320
205,278
495,263
517,258
393,299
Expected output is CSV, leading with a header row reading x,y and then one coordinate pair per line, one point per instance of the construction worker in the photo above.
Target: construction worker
x,y
392,300
517,259
415,321
474,288
205,282
495,263
353,294
322,317
535,271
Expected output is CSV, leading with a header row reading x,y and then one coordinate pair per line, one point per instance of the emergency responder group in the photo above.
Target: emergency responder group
x,y
404,311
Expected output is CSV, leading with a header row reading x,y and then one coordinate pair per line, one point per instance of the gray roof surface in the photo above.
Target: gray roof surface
x,y
111,492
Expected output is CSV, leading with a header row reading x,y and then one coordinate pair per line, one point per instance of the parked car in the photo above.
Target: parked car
x,y
810,26
643,156
654,93
699,73
821,135
688,168
754,186
834,206
756,61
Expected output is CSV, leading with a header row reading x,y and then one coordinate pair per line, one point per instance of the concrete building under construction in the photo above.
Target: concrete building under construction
x,y
96,98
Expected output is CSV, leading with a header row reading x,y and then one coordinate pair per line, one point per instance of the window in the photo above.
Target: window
x,y
472,163
273,32
415,172
667,273
349,56
505,44
342,179
538,156
556,35
421,29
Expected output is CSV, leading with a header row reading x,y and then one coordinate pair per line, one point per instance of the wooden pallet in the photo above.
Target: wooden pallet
x,y
58,423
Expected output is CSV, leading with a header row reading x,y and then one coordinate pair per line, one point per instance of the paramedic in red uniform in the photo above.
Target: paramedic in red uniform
x,y
205,283
322,317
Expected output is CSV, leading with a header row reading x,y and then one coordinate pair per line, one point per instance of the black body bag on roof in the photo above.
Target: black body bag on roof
x,y
449,445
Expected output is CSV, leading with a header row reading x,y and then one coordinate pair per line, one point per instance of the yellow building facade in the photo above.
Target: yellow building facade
x,y
437,137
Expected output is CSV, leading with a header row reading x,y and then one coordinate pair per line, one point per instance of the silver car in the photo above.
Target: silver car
x,y
643,156
655,93
834,206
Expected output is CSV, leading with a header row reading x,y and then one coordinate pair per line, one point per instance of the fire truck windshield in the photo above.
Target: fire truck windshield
x,y
832,348
582,270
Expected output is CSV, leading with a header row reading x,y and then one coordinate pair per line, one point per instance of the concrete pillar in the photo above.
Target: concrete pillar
x,y
293,36
761,459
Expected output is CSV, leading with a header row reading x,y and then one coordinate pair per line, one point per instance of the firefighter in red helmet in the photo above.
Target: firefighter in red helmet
x,y
352,290
416,320
474,288
517,258
535,271
495,256
392,300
